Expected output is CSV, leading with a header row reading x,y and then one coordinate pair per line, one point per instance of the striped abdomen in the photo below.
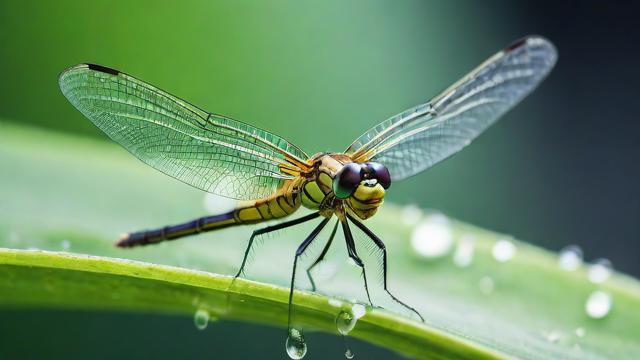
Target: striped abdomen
x,y
282,204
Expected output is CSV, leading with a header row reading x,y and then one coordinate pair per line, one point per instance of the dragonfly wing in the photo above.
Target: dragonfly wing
x,y
210,152
418,138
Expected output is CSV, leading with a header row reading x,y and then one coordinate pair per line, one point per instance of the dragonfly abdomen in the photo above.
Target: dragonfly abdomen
x,y
283,204
206,223
279,205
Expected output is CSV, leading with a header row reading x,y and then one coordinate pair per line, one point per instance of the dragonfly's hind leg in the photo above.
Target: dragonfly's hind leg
x,y
351,248
321,257
269,229
381,246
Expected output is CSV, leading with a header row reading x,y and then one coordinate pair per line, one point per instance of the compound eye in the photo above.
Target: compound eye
x,y
380,173
347,180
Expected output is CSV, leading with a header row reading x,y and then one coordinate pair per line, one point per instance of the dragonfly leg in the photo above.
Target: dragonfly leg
x,y
269,229
305,244
321,257
351,248
381,246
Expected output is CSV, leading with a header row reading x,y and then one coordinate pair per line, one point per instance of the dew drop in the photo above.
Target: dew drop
x,y
486,285
463,255
411,215
553,336
570,257
432,238
503,250
295,345
598,304
349,354
599,271
345,322
201,319
580,332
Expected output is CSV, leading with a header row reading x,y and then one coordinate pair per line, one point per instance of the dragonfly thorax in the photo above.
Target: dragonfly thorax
x,y
339,184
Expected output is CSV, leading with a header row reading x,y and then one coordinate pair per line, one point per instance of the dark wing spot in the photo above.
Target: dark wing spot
x,y
518,43
103,69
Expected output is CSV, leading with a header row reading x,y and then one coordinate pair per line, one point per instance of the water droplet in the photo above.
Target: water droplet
x,y
349,354
65,244
486,285
463,256
503,250
201,319
553,336
432,238
335,302
598,304
580,332
295,345
358,311
570,257
599,271
345,322
411,215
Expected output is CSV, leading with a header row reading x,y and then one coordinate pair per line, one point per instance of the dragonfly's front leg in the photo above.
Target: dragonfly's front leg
x,y
378,242
351,248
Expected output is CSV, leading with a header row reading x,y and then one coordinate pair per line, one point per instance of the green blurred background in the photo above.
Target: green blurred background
x,y
562,168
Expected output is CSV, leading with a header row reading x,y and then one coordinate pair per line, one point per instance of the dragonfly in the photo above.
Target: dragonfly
x,y
273,177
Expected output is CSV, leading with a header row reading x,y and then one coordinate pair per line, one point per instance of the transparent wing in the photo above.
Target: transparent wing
x,y
418,138
208,151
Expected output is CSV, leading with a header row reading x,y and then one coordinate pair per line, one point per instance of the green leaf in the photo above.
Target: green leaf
x,y
67,196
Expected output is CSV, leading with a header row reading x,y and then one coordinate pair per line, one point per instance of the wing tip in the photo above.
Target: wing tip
x,y
85,66
536,41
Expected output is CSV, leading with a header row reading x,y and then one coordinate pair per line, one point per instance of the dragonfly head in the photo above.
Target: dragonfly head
x,y
362,186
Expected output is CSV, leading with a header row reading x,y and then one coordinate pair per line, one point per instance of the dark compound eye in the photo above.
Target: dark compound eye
x,y
380,173
347,180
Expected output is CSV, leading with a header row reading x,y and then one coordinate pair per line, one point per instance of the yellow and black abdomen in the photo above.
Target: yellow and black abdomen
x,y
285,202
